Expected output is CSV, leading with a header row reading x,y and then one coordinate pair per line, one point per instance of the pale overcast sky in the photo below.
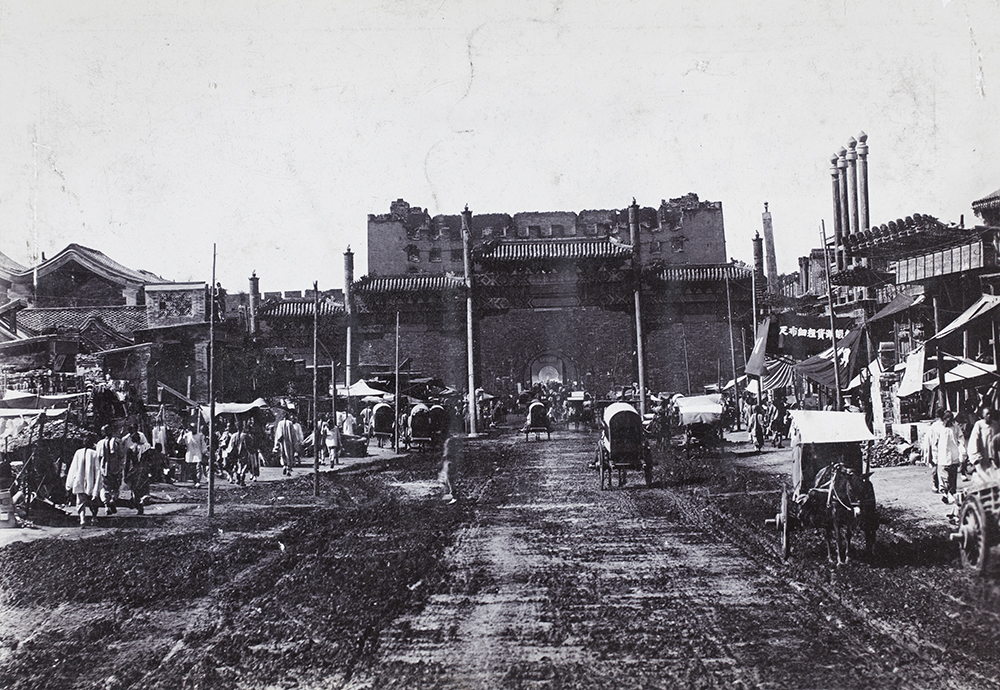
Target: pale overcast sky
x,y
151,129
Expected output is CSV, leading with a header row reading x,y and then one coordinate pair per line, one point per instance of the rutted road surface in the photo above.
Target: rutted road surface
x,y
556,583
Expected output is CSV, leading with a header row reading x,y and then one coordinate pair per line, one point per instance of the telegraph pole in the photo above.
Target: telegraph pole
x,y
316,388
211,394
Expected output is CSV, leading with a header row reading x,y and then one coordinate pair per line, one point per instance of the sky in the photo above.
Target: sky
x,y
151,130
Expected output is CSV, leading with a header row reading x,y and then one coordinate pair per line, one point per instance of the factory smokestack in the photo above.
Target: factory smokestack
x,y
771,260
863,181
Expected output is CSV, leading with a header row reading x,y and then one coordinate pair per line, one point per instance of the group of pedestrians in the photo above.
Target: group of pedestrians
x,y
950,453
768,419
100,468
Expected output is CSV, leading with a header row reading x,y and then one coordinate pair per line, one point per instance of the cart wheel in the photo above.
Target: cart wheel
x,y
605,475
786,545
973,544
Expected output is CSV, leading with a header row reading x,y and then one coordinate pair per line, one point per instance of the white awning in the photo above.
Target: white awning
x,y
231,408
913,376
359,389
984,305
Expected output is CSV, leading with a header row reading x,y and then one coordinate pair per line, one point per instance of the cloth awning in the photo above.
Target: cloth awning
x,y
778,374
755,364
8,412
23,400
231,408
751,386
966,370
900,302
819,368
984,305
814,426
359,389
913,375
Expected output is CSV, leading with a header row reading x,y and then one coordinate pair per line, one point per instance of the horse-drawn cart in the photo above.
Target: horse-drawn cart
x,y
978,528
701,418
622,445
538,421
383,423
830,489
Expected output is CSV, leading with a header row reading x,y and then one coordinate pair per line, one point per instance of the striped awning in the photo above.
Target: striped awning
x,y
554,249
778,374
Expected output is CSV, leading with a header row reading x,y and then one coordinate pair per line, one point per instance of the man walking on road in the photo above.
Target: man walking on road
x,y
83,479
285,444
981,440
111,456
949,453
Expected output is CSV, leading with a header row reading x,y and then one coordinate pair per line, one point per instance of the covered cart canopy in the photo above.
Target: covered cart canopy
x,y
821,438
623,422
700,409
816,426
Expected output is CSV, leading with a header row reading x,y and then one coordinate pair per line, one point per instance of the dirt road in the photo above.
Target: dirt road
x,y
533,578
558,584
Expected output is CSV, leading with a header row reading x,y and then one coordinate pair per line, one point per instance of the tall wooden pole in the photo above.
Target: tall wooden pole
x,y
211,394
687,369
315,388
732,354
833,321
640,346
395,425
940,356
469,327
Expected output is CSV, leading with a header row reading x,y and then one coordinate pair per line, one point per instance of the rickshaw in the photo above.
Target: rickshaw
x,y
622,445
420,432
538,421
830,488
701,418
383,426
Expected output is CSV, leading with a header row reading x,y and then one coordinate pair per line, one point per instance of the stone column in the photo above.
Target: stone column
x,y
254,303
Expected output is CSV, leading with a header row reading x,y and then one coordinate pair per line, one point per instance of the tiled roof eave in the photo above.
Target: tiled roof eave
x,y
553,250
408,284
691,274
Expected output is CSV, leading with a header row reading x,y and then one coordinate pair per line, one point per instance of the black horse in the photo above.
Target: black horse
x,y
841,499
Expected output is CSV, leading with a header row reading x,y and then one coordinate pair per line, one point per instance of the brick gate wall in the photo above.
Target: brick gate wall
x,y
707,346
597,346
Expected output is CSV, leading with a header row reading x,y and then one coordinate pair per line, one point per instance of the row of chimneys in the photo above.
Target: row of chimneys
x,y
849,173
